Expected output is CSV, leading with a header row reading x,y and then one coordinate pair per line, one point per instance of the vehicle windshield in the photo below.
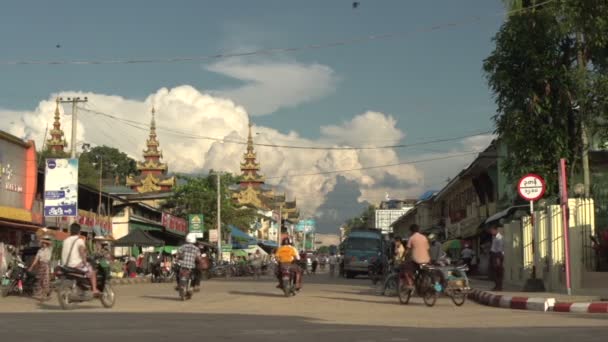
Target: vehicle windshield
x,y
363,244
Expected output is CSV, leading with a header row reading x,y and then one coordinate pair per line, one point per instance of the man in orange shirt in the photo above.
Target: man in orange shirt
x,y
286,255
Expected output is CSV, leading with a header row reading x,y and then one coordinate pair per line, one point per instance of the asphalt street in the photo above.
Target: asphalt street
x,y
247,310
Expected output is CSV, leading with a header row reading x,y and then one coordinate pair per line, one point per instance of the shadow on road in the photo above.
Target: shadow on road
x,y
357,300
257,294
153,327
174,298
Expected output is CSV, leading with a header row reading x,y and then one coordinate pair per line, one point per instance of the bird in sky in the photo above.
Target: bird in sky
x,y
58,46
355,4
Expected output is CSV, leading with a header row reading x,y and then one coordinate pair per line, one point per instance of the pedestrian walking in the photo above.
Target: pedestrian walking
x,y
333,261
497,257
315,263
467,255
42,265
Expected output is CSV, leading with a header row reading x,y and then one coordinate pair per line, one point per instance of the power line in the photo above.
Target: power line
x,y
190,135
268,51
376,166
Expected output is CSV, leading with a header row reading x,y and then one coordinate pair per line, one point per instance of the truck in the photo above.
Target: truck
x,y
360,249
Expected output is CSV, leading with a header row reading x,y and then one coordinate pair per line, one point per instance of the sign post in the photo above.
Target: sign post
x,y
532,187
563,195
61,188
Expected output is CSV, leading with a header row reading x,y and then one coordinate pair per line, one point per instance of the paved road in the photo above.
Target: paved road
x,y
246,310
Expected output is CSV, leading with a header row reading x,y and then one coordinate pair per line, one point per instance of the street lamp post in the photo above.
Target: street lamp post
x,y
219,217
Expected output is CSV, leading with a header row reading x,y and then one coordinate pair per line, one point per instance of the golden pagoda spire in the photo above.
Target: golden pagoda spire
x,y
57,141
250,166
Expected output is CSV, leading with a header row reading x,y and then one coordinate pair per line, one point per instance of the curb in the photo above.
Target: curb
x,y
595,307
130,281
509,302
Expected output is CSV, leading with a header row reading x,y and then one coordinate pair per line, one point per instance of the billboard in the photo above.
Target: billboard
x,y
17,177
61,187
306,226
195,223
174,224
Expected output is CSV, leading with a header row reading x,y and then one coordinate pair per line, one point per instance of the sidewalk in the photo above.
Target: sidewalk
x,y
514,298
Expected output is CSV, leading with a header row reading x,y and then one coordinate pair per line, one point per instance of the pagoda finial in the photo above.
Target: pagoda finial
x,y
153,122
56,143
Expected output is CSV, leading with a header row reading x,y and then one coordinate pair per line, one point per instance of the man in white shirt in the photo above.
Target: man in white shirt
x,y
74,254
497,257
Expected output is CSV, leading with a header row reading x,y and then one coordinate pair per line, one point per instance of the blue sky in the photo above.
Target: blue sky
x,y
430,82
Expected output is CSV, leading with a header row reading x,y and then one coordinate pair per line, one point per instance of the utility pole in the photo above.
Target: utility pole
x,y
280,224
74,101
219,218
582,66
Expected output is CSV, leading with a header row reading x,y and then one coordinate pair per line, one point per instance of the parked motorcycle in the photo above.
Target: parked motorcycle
x,y
73,286
18,281
288,280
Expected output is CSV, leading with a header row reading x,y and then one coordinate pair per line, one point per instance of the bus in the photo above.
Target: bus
x,y
360,249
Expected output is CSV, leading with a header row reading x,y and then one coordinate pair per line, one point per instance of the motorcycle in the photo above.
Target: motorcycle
x,y
19,281
426,284
73,286
288,280
185,283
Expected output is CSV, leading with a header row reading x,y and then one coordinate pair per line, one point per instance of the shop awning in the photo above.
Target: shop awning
x,y
138,238
240,253
504,214
268,243
143,226
166,249
241,236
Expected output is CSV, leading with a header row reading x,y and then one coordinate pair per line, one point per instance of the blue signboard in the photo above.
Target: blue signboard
x,y
61,187
306,226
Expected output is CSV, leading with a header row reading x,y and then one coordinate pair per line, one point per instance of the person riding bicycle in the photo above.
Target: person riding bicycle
x,y
418,251
288,256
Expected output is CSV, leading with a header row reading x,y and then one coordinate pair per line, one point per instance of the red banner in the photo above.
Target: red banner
x,y
174,224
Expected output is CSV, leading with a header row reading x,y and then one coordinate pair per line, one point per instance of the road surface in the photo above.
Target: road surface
x,y
247,310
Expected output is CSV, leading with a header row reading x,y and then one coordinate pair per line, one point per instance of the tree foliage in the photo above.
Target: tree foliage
x,y
542,92
364,220
198,195
113,163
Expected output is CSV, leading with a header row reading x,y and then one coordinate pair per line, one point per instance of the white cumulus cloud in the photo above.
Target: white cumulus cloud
x,y
184,115
269,86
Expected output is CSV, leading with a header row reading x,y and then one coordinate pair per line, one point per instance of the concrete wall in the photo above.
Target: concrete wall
x,y
545,247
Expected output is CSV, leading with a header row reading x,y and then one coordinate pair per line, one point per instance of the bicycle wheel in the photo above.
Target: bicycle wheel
x,y
459,297
404,293
429,295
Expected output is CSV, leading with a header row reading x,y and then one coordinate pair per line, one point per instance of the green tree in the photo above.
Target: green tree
x,y
199,195
113,163
543,95
323,250
364,220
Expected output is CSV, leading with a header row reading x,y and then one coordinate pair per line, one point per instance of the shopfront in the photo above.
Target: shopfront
x,y
18,181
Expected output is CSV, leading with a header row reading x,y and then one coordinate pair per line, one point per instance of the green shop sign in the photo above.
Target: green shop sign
x,y
195,223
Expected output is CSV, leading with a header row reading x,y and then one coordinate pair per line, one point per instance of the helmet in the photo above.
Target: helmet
x,y
190,238
286,241
432,237
46,238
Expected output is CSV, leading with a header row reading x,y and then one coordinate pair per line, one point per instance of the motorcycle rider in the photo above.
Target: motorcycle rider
x,y
187,256
288,256
74,255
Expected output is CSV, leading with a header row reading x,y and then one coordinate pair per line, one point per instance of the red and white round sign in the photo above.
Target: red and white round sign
x,y
531,187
